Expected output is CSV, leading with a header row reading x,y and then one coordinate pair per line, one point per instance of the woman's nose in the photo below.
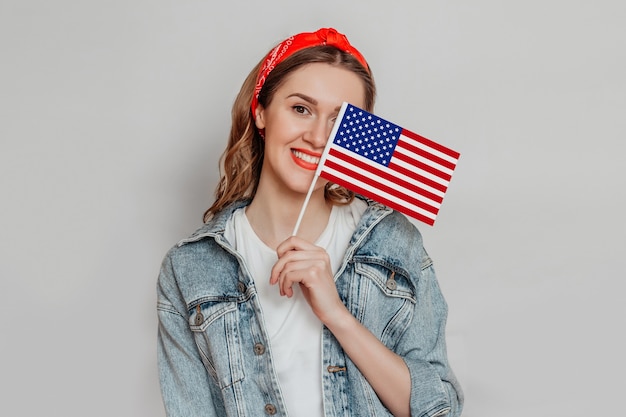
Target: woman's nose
x,y
319,132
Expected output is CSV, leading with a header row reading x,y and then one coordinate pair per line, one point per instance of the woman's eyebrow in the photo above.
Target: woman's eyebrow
x,y
304,97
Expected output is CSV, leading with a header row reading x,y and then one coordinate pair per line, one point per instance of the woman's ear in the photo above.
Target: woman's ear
x,y
259,117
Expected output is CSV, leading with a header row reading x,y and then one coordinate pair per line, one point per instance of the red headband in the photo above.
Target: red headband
x,y
326,36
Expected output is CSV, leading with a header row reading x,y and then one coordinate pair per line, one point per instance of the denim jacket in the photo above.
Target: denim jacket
x,y
214,354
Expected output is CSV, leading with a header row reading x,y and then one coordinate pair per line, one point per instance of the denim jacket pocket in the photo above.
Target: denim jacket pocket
x,y
391,283
215,325
383,298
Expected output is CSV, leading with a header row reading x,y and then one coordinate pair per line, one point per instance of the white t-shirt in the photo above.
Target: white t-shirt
x,y
294,331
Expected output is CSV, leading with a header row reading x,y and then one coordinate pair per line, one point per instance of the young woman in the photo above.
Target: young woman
x,y
344,319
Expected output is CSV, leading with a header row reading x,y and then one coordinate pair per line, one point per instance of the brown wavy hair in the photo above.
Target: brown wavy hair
x,y
240,164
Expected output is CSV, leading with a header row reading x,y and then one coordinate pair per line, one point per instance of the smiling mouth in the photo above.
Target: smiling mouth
x,y
309,159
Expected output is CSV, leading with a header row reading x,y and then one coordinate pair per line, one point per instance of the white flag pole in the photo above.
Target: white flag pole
x,y
306,203
319,167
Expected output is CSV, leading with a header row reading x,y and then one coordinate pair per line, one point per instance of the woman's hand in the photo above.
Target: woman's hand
x,y
301,262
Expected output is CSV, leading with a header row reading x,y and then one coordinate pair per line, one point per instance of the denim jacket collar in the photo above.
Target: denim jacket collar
x,y
216,225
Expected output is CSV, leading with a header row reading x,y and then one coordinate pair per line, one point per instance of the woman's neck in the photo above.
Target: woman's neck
x,y
273,218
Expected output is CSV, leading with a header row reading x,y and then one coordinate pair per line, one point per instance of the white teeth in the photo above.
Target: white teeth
x,y
307,158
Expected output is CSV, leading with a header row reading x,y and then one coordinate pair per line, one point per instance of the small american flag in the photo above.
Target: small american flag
x,y
382,161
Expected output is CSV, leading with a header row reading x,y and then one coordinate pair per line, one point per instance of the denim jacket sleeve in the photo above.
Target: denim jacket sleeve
x,y
434,387
397,244
185,387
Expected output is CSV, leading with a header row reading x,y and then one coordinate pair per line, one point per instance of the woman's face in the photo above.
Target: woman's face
x,y
298,122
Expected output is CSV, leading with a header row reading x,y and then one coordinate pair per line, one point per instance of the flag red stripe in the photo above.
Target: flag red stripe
x,y
371,194
420,165
420,178
371,168
451,153
371,181
421,152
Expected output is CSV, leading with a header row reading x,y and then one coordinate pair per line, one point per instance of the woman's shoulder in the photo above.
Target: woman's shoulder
x,y
207,243
189,266
391,234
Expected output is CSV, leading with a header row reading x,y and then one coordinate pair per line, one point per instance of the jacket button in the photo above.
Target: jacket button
x,y
241,287
270,409
259,349
199,316
391,284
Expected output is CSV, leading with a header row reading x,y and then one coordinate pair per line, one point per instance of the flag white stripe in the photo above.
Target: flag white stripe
x,y
421,172
430,150
422,159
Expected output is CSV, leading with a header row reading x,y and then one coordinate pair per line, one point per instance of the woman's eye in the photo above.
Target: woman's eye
x,y
300,109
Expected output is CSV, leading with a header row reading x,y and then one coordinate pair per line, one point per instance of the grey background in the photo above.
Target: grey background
x,y
113,115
